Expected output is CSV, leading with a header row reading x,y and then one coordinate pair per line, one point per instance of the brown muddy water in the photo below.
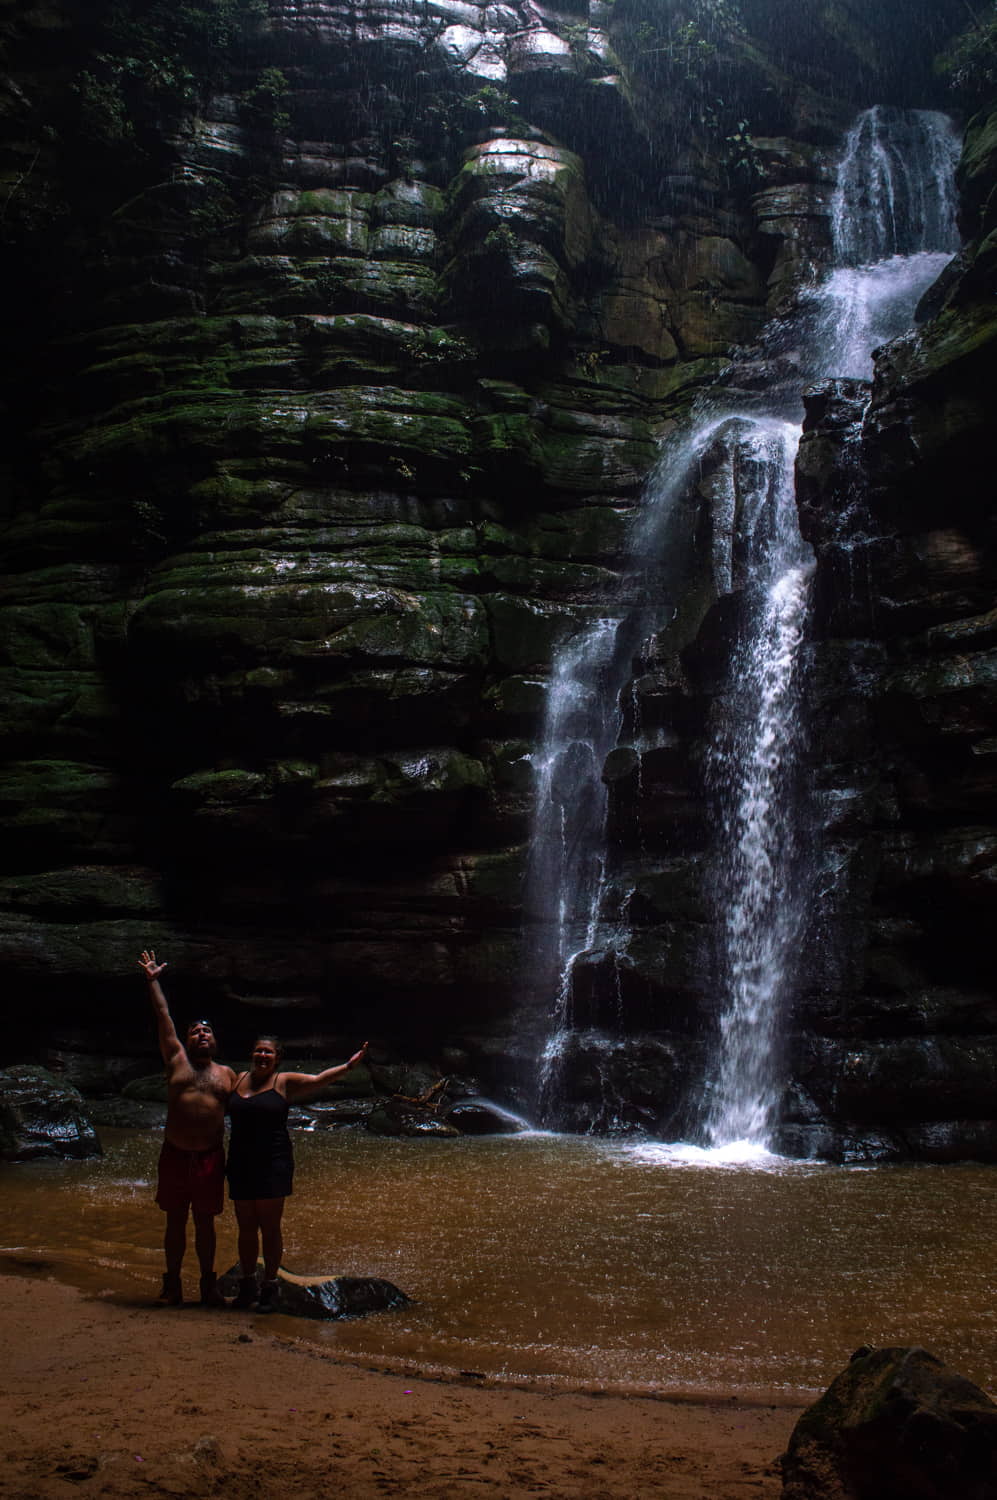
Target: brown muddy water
x,y
573,1261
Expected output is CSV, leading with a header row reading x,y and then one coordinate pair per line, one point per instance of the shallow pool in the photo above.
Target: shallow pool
x,y
579,1261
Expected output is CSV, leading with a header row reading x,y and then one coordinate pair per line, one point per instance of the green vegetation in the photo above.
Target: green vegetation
x,y
141,67
144,61
164,52
448,121
264,101
969,62
742,159
692,50
688,42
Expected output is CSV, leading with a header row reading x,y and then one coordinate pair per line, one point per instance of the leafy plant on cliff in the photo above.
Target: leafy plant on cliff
x,y
448,122
969,62
263,103
742,159
576,35
144,61
686,53
690,37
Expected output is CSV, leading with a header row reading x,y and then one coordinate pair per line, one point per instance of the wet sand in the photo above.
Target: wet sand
x,y
105,1396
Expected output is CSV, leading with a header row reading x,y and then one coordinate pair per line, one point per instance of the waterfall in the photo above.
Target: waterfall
x,y
893,229
760,886
893,222
582,724
895,189
570,846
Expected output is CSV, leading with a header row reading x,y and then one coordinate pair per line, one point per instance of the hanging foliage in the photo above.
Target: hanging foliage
x,y
969,62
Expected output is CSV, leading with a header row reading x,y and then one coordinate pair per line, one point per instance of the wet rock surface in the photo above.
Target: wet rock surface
x,y
42,1116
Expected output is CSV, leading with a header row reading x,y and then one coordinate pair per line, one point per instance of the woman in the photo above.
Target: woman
x,y
261,1161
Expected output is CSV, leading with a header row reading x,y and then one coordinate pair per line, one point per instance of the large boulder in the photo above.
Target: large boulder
x,y
897,1424
41,1116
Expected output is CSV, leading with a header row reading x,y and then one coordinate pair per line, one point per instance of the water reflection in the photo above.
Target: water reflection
x,y
582,1261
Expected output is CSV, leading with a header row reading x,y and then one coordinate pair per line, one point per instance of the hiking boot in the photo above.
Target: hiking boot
x,y
269,1292
210,1295
171,1292
247,1294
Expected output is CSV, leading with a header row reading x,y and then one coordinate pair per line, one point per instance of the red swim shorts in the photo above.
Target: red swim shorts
x,y
194,1179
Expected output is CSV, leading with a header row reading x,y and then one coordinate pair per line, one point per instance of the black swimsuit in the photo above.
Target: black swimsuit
x,y
260,1157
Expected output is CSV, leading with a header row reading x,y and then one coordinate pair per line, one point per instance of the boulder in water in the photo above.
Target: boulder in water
x,y
325,1296
41,1116
897,1424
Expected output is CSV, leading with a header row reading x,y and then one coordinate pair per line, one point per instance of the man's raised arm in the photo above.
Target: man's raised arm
x,y
170,1044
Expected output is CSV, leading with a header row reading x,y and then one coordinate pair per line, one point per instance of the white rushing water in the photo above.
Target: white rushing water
x,y
893,227
760,891
569,861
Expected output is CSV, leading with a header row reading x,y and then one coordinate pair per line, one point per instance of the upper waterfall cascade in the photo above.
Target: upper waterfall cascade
x,y
893,229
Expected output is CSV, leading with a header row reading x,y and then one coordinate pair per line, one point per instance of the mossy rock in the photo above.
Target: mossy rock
x,y
281,623
219,788
60,714
526,631
59,804
408,202
442,771
977,173
85,888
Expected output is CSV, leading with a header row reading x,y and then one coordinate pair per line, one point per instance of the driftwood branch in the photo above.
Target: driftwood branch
x,y
426,1100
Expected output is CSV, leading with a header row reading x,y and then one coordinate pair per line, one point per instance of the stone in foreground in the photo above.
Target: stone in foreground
x,y
325,1296
897,1424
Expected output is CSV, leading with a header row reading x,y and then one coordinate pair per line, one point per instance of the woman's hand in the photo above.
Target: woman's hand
x,y
358,1057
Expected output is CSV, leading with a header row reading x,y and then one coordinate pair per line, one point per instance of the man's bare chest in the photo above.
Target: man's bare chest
x,y
207,1084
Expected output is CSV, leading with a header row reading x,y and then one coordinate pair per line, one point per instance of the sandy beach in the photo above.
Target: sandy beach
x,y
108,1396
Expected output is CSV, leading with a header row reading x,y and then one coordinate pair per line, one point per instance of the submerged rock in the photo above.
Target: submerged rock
x,y
325,1296
897,1424
40,1116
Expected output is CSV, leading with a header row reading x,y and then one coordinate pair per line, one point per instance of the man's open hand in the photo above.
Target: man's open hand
x,y
149,964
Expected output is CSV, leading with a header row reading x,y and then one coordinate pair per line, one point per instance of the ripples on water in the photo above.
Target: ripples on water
x,y
579,1261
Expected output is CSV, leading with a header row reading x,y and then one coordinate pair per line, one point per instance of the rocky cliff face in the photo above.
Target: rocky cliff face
x,y
331,398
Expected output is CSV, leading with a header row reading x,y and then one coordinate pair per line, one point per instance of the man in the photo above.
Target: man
x,y
192,1161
